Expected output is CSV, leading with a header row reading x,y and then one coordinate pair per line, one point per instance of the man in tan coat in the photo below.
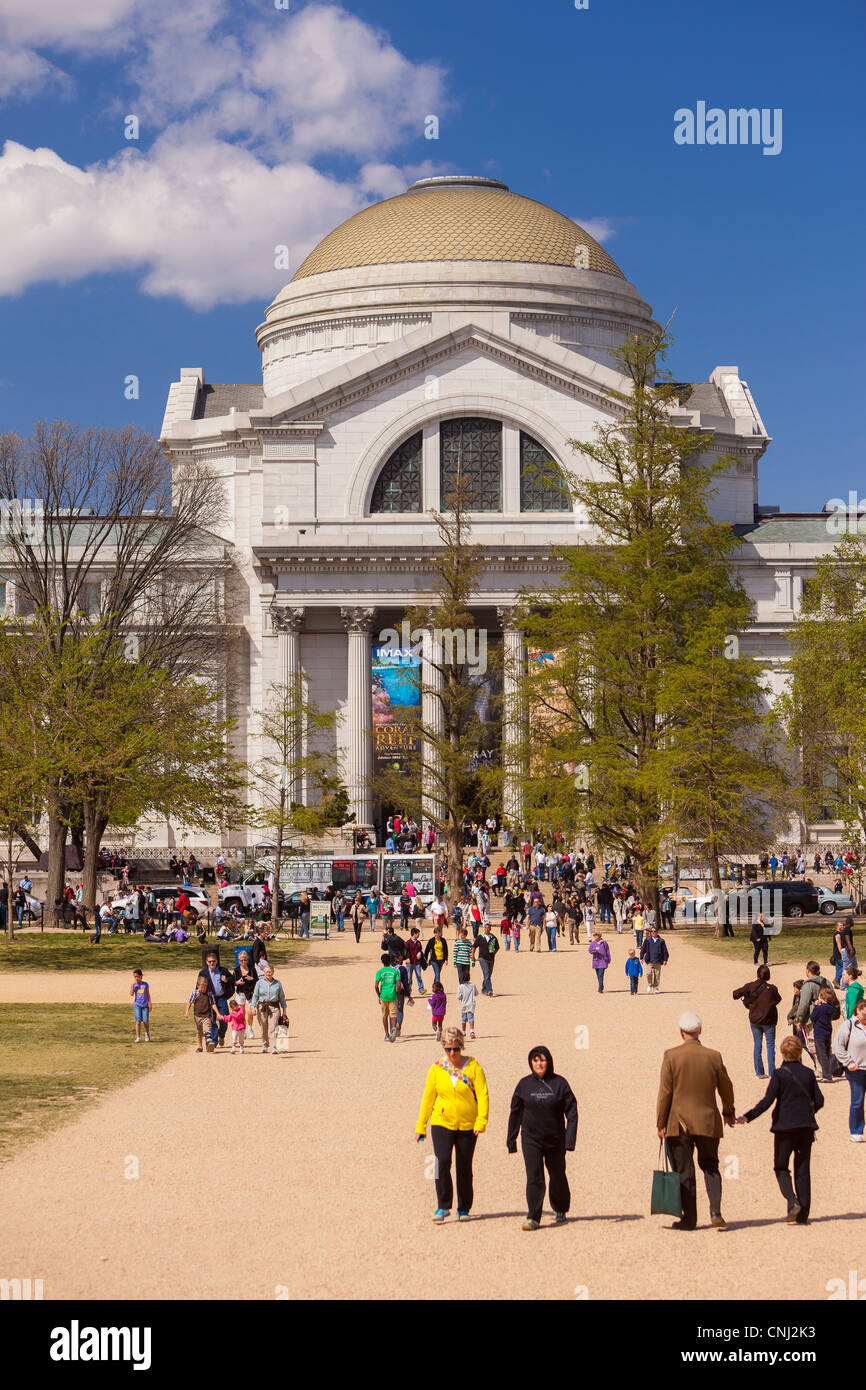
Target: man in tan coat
x,y
688,1117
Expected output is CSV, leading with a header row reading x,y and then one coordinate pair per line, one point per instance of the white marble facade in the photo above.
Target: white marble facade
x,y
356,361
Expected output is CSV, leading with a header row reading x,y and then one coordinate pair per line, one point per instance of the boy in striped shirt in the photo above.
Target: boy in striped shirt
x,y
462,955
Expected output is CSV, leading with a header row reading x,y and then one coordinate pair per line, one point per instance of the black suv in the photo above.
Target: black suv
x,y
798,897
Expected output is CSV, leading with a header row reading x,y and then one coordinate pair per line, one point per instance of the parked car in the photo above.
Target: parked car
x,y
198,899
798,897
828,902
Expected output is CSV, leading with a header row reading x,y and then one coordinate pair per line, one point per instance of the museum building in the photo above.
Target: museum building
x,y
456,321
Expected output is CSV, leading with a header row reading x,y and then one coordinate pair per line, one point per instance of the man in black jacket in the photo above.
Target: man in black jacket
x,y
544,1113
220,988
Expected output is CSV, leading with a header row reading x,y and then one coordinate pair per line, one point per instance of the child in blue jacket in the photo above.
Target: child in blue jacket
x,y
634,970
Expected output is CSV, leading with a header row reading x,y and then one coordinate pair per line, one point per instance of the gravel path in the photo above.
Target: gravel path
x,y
334,1200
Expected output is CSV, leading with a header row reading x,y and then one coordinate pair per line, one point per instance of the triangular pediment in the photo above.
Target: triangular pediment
x,y
425,350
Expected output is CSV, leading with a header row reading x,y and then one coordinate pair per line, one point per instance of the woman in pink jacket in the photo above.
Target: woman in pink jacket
x,y
600,953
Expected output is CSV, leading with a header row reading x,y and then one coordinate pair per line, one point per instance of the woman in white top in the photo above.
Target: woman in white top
x,y
551,922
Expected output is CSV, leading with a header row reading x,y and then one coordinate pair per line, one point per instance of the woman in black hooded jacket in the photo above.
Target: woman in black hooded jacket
x,y
544,1114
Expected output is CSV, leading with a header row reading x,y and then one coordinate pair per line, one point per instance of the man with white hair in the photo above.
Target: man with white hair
x,y
688,1118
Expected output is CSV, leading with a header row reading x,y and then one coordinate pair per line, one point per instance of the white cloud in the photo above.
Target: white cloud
x,y
244,115
23,73
201,219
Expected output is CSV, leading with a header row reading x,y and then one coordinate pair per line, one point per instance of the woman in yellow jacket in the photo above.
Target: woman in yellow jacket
x,y
456,1097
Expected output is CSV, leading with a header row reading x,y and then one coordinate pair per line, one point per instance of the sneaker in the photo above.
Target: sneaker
x,y
462,1215
560,1218
719,1222
198,1049
439,1215
793,1215
250,1033
136,1040
147,1037
234,1050
222,1042
264,1049
530,1225
857,1138
210,1047
472,1033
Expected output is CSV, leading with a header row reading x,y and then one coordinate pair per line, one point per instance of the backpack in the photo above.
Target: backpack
x,y
492,945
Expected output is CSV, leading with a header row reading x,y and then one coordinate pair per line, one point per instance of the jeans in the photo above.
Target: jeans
x,y
799,1143
638,936
551,938
486,971
535,1159
461,1143
822,1052
599,970
842,964
632,984
305,925
761,1031
419,976
338,916
218,1031
605,912
515,936
857,1082
762,945
506,938
437,968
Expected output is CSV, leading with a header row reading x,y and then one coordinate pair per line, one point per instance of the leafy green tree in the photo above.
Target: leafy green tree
x,y
728,789
293,782
621,626
824,708
454,776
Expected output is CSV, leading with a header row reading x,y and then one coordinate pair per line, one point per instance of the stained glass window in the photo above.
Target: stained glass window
x,y
542,486
398,486
472,448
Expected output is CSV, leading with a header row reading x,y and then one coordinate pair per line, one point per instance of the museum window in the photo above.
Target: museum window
x,y
398,486
542,485
471,448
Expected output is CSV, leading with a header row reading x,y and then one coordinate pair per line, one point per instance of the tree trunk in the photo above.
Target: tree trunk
x,y
24,834
278,859
56,863
717,883
94,829
10,870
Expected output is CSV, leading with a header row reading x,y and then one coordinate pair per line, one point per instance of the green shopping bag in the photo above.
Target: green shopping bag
x,y
666,1200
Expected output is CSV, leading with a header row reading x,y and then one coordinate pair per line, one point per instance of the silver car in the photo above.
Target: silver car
x,y
828,902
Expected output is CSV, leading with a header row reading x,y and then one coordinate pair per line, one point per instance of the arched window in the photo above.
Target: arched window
x,y
398,486
472,448
542,486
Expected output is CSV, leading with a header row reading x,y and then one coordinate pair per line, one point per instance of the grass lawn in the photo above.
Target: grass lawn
x,y
794,944
73,951
54,1059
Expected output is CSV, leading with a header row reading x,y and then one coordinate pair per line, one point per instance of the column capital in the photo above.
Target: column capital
x,y
285,618
507,615
358,619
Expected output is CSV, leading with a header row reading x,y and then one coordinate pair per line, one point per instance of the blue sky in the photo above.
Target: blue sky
x,y
260,126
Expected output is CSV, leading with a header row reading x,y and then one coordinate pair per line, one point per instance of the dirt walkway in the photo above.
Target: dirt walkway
x,y
320,1145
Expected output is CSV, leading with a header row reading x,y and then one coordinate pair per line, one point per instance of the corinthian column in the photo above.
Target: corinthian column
x,y
432,721
513,717
359,713
286,622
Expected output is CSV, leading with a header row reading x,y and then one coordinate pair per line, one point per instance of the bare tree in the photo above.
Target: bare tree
x,y
98,526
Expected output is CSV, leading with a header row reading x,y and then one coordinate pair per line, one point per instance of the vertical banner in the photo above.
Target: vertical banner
x,y
396,701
